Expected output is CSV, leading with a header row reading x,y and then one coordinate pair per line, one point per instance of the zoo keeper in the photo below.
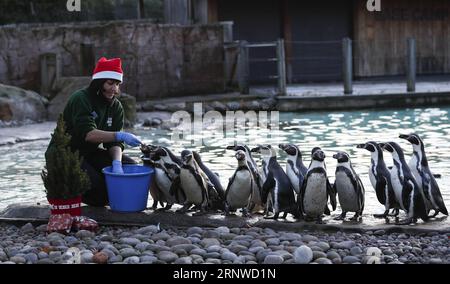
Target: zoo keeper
x,y
93,116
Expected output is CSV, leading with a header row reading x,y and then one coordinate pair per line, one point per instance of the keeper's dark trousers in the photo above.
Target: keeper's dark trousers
x,y
93,164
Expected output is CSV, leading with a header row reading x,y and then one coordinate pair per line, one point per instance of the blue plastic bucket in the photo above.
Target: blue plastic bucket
x,y
128,192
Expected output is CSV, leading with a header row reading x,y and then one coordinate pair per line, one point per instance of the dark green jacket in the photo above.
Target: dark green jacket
x,y
85,112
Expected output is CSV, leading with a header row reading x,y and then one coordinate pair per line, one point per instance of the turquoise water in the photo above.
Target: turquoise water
x,y
20,164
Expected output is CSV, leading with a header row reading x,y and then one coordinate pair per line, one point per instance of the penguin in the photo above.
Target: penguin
x,y
406,189
216,193
255,203
193,183
380,178
240,186
148,152
316,189
422,173
166,170
295,169
277,184
349,187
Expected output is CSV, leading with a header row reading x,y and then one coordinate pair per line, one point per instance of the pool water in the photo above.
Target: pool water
x,y
21,164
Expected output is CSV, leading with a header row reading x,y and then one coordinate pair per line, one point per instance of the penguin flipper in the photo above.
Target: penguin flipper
x,y
175,187
301,195
360,194
437,196
267,187
332,193
380,189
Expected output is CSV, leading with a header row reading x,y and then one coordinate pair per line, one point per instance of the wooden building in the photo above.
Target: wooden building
x,y
313,33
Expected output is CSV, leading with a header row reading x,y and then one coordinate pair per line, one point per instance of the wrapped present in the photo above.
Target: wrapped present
x,y
61,223
84,223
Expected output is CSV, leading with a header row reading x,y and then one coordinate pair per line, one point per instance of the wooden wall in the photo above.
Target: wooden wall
x,y
380,37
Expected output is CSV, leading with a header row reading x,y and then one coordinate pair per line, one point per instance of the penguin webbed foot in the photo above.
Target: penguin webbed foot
x,y
319,220
436,212
183,209
167,207
381,216
394,212
406,221
357,217
341,217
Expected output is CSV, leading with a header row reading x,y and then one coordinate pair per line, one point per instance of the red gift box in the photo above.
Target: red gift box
x,y
66,206
84,223
61,223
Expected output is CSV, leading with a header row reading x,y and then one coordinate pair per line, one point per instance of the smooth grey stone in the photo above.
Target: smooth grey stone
x,y
323,261
177,241
18,259
273,259
131,260
128,252
350,259
229,256
183,260
115,259
355,251
319,254
303,255
147,259
167,256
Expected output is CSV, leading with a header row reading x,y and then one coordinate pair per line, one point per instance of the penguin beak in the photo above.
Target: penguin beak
x,y
404,136
282,146
187,158
319,155
361,146
381,145
336,156
231,147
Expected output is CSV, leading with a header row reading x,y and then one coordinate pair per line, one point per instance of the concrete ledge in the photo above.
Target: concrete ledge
x,y
39,214
349,102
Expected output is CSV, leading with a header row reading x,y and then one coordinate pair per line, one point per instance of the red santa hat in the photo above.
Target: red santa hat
x,y
108,69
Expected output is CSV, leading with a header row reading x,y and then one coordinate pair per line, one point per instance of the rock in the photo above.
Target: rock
x,y
18,259
379,232
207,242
323,261
344,245
273,259
350,259
115,259
129,241
309,238
435,261
303,255
127,252
31,258
167,256
149,259
272,241
184,260
290,237
332,255
131,260
84,234
152,229
323,245
27,228
233,106
229,256
45,261
222,230
319,254
21,105
355,251
177,241
100,258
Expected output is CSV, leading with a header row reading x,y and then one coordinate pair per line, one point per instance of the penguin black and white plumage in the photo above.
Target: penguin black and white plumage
x,y
157,195
422,173
167,168
193,183
349,187
407,191
295,169
380,178
316,189
255,204
277,184
240,186
216,193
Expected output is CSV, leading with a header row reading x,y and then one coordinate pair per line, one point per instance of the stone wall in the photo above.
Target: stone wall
x,y
158,60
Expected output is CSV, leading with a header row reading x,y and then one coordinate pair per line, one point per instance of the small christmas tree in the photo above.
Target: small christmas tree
x,y
63,177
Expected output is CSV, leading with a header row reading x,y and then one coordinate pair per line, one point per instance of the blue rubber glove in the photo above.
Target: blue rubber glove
x,y
128,138
117,167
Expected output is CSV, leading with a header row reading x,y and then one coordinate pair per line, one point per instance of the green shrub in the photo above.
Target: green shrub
x,y
63,177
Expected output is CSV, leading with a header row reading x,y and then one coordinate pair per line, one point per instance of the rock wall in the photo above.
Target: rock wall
x,y
158,60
